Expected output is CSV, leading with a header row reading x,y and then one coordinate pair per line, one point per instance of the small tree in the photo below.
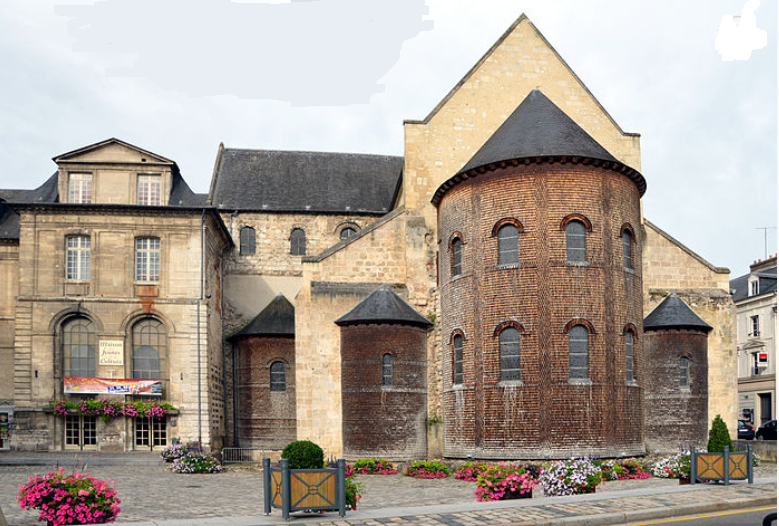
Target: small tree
x,y
304,454
719,436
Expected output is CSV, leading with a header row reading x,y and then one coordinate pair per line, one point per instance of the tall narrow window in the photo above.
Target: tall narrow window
x,y
458,358
147,259
629,356
78,255
347,232
578,353
78,348
508,245
386,369
509,354
148,343
149,190
278,377
80,188
627,247
684,372
297,242
457,256
754,325
575,242
248,241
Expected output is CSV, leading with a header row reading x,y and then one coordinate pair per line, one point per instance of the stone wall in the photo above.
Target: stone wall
x,y
671,267
9,282
675,416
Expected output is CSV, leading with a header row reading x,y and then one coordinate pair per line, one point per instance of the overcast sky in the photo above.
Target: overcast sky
x,y
178,77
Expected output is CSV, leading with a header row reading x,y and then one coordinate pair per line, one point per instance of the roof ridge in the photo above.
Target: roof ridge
x,y
255,150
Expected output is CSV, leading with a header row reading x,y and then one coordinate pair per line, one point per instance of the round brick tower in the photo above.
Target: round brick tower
x,y
676,354
384,378
541,295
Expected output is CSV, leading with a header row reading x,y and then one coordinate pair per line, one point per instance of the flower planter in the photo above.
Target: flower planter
x,y
582,491
683,481
509,495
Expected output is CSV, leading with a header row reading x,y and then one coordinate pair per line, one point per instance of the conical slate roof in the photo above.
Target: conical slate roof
x,y
383,306
277,319
538,129
673,313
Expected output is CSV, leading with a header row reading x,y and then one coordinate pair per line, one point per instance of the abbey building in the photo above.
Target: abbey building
x,y
494,292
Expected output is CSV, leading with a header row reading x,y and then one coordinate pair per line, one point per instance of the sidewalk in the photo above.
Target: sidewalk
x,y
609,508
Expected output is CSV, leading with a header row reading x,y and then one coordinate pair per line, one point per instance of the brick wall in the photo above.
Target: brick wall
x,y
265,418
673,415
544,413
386,421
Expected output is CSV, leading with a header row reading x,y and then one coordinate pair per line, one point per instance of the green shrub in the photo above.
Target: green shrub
x,y
719,437
374,466
427,470
304,454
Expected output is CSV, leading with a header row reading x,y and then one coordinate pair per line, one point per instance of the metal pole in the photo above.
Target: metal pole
x,y
199,366
266,484
285,489
750,472
340,486
693,466
726,458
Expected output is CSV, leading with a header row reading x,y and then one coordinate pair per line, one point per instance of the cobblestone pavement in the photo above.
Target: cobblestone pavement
x,y
151,493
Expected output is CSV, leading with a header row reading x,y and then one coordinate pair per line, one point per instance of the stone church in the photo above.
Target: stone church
x,y
495,292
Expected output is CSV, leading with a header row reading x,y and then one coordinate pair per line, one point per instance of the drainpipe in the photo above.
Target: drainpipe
x,y
199,366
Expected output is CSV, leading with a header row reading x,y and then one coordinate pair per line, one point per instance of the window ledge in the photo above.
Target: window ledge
x,y
629,270
458,387
577,263
510,383
509,265
579,381
631,383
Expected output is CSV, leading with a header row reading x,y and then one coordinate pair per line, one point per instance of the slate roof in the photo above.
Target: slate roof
x,y
765,277
673,313
538,129
9,218
182,195
277,319
287,181
383,306
9,222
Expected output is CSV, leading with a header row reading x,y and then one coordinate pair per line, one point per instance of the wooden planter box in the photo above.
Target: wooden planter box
x,y
725,466
304,489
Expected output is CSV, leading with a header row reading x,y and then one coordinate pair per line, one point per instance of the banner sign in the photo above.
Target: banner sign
x,y
111,352
113,386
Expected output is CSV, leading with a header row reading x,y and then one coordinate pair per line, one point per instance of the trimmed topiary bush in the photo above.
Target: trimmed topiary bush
x,y
304,454
719,437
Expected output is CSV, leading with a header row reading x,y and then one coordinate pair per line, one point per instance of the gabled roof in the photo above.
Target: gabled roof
x,y
673,313
288,181
113,140
538,129
383,306
277,319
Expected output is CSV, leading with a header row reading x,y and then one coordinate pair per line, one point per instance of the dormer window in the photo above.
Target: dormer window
x,y
80,188
149,190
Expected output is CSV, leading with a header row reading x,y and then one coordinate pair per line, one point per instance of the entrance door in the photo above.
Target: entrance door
x,y
151,433
5,422
765,408
80,432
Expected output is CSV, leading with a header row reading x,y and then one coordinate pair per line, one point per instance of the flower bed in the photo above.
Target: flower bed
x,y
196,463
570,477
470,471
174,452
621,470
374,466
674,467
70,499
427,470
503,481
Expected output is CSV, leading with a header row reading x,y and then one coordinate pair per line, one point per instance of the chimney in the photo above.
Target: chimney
x,y
763,264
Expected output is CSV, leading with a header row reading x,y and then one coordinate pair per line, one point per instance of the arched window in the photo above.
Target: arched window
x,y
148,345
457,256
386,369
458,358
629,356
248,241
78,347
509,354
508,245
297,242
347,232
627,249
578,353
575,242
684,372
278,377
